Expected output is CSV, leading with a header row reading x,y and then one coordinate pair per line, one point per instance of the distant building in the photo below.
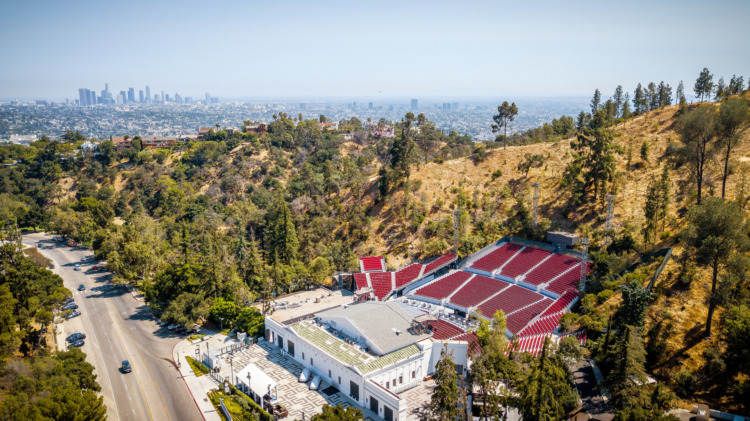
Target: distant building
x,y
131,95
121,143
328,126
141,97
148,94
203,132
158,142
369,106
259,128
414,104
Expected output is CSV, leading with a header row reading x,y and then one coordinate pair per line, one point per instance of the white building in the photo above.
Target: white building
x,y
370,351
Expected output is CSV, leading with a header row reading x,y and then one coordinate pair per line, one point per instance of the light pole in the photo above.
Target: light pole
x,y
222,324
249,389
231,368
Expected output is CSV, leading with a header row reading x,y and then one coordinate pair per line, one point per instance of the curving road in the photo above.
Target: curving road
x,y
119,327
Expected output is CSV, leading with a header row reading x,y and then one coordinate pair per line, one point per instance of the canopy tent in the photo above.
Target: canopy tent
x,y
258,382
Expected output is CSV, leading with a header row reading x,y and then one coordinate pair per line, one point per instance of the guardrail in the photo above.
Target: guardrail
x,y
224,409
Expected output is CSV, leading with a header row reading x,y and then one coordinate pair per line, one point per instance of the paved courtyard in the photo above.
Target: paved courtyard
x,y
297,397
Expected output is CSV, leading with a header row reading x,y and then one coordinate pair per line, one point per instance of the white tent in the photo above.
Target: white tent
x,y
259,382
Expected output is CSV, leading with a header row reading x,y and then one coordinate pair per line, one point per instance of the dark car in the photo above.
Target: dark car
x,y
70,306
82,287
68,300
77,344
75,336
73,314
126,368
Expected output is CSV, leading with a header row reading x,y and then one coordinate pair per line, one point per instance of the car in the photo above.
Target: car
x,y
73,314
181,330
173,327
75,336
78,267
95,268
126,368
77,344
71,306
68,300
82,287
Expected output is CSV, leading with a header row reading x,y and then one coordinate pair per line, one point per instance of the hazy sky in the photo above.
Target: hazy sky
x,y
48,49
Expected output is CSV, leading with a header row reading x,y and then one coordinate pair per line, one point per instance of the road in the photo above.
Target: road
x,y
119,327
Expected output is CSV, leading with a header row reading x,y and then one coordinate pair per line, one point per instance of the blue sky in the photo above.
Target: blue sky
x,y
307,49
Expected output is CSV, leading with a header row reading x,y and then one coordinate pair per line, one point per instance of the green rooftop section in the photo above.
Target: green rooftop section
x,y
349,354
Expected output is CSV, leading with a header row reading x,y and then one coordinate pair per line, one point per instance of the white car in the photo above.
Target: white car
x,y
304,376
78,267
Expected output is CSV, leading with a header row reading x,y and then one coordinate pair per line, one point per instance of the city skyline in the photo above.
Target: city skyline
x,y
476,49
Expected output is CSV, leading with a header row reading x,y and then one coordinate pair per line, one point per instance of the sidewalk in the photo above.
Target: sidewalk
x,y
199,386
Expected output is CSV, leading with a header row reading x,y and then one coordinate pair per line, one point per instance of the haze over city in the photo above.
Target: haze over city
x,y
269,50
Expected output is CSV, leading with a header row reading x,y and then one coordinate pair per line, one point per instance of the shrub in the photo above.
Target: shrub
x,y
685,384
496,174
198,367
604,295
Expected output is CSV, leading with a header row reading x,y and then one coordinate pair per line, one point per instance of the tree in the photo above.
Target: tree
x,y
721,90
618,100
338,413
638,99
402,150
223,311
731,122
644,150
716,229
249,320
627,372
680,94
704,85
546,393
697,129
632,310
320,270
650,212
282,234
446,403
492,367
625,113
506,113
596,102
599,163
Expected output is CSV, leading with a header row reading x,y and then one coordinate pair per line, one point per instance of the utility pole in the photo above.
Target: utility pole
x,y
536,204
456,215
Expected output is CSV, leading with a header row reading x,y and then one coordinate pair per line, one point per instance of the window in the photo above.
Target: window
x,y
339,379
303,355
400,379
413,374
329,374
388,384
311,361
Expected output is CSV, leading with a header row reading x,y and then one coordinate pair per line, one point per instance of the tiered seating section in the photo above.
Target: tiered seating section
x,y
561,303
444,287
544,325
381,283
478,289
361,280
408,274
511,299
523,261
552,267
444,330
439,263
372,264
517,321
497,257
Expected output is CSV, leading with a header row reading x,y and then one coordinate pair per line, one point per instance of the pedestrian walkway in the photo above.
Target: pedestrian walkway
x,y
198,386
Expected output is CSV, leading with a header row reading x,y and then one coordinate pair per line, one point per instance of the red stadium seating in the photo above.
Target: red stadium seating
x,y
443,287
444,330
361,280
477,290
568,281
542,326
518,320
381,283
561,302
497,257
408,274
372,264
439,263
470,337
510,300
555,265
525,260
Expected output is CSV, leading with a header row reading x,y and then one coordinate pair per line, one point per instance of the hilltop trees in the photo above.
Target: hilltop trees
x,y
597,159
697,132
506,113
730,123
704,85
716,230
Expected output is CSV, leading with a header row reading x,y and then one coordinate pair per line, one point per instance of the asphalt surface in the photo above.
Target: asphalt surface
x,y
120,327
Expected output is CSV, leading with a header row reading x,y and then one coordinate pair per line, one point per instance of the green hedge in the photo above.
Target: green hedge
x,y
240,406
198,367
264,416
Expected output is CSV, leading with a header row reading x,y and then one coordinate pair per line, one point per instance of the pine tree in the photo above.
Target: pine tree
x,y
596,146
283,235
653,96
680,94
617,98
721,90
446,403
402,150
704,84
596,101
650,212
663,194
625,113
697,129
638,100
628,371
506,113
546,393
731,122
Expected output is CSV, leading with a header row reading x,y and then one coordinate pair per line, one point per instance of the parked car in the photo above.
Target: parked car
x,y
71,306
76,344
68,300
75,336
126,368
181,330
172,327
73,314
78,267
72,243
95,268
82,287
